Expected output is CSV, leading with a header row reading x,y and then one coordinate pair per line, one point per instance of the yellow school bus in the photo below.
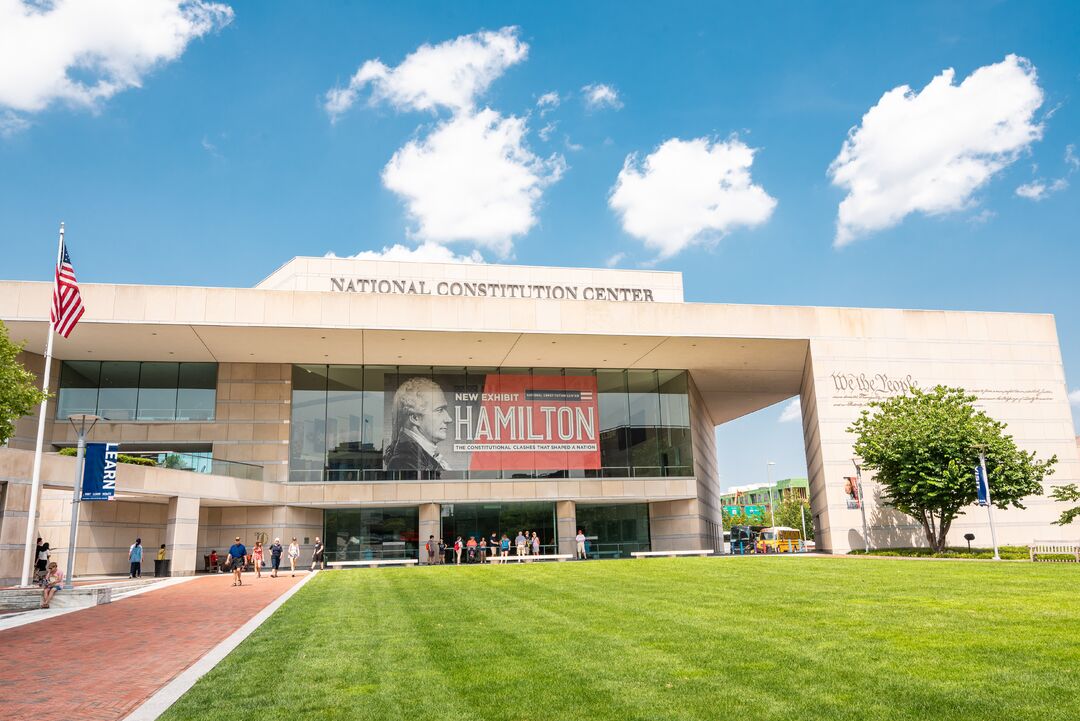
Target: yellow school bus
x,y
778,539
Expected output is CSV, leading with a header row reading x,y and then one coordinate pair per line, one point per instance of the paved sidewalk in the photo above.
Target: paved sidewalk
x,y
102,662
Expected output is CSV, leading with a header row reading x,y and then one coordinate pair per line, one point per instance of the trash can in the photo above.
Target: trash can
x,y
161,568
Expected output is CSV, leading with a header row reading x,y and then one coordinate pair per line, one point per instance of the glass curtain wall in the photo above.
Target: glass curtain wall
x,y
343,422
365,534
138,391
614,531
483,519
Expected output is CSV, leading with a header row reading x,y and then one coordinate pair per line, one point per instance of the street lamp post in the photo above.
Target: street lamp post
x,y
83,423
862,504
768,477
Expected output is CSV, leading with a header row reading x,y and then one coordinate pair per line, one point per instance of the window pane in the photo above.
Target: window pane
x,y
614,421
675,449
78,388
615,531
307,447
356,534
373,431
644,422
119,393
197,395
344,422
157,391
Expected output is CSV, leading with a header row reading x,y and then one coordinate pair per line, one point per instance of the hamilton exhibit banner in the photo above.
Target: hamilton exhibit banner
x,y
492,422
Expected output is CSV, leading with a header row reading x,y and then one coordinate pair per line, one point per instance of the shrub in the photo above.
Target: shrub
x,y
124,458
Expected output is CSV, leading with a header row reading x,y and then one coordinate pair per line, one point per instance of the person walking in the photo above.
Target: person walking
x,y
294,553
54,581
457,551
317,555
135,557
41,561
235,561
275,557
257,558
580,539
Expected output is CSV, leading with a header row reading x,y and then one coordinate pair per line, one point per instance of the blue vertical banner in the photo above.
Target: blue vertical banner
x,y
980,486
99,471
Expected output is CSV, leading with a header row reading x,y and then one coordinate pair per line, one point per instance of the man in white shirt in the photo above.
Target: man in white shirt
x,y
580,538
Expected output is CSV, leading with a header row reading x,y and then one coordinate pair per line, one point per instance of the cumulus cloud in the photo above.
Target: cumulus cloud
x,y
598,96
450,75
792,412
546,131
614,260
929,151
82,53
472,179
1072,160
689,191
1040,190
425,253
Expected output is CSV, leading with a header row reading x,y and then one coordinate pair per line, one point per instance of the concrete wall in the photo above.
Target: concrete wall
x,y
1012,367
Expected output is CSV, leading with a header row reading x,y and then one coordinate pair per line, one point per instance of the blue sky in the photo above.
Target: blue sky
x,y
212,158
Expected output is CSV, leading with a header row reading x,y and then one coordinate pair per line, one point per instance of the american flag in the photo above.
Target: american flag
x,y
67,302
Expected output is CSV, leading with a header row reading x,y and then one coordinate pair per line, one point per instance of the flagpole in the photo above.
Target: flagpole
x,y
35,482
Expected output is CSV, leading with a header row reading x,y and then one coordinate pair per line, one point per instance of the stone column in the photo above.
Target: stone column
x,y
429,526
182,535
674,525
566,525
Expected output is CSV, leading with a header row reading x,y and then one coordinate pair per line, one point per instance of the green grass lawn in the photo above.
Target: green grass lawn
x,y
732,638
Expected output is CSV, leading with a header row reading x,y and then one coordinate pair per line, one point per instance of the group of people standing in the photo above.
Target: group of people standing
x,y
492,548
238,558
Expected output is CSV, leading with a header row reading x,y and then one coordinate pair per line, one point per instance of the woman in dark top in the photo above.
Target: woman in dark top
x,y
317,554
275,557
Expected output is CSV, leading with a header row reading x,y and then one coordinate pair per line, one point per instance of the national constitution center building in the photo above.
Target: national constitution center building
x,y
374,404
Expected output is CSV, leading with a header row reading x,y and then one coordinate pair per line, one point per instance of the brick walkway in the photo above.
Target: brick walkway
x,y
103,662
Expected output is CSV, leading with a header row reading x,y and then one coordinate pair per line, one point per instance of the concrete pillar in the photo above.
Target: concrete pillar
x,y
182,535
674,525
429,526
566,525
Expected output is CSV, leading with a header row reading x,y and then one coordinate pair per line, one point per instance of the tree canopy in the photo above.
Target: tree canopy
x,y
1068,493
20,391
923,448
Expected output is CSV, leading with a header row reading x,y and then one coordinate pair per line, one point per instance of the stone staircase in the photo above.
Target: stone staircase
x,y
26,599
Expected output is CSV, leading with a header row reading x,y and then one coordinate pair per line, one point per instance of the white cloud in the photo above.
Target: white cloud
x,y
599,96
792,412
571,145
689,191
1039,190
472,179
82,53
928,151
426,253
614,260
12,123
1071,159
1074,397
546,131
548,102
450,75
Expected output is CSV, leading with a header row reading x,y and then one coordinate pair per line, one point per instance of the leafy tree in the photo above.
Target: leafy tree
x,y
789,512
1069,494
923,447
20,390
